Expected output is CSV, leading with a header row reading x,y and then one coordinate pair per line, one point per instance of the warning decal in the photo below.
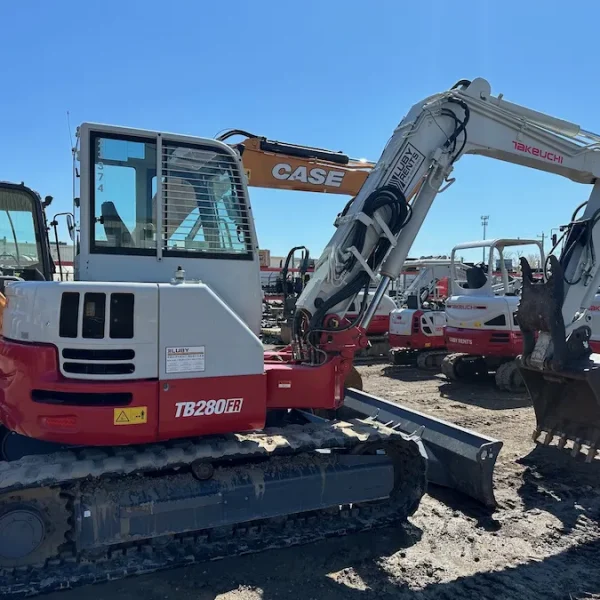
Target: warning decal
x,y
130,416
184,359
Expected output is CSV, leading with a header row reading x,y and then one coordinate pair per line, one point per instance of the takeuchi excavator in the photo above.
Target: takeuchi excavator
x,y
135,438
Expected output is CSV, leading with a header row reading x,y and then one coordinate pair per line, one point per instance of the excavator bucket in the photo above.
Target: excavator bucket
x,y
457,458
567,405
560,372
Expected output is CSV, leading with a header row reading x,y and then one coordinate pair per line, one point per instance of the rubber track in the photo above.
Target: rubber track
x,y
73,466
449,365
422,358
70,569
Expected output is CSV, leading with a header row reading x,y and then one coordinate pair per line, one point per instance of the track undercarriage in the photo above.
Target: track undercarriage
x,y
427,360
93,514
458,366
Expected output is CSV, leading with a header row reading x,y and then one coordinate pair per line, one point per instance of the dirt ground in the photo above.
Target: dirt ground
x,y
543,541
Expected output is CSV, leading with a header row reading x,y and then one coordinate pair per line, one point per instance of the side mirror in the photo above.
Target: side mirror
x,y
71,227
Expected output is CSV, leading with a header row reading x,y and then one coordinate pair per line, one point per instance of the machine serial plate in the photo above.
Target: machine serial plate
x,y
184,359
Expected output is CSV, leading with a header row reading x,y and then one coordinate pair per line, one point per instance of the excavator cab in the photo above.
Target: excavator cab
x,y
24,247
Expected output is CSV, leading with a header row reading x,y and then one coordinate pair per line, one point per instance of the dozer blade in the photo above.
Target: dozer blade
x,y
566,404
458,458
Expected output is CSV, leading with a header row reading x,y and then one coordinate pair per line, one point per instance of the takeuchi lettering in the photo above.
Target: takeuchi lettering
x,y
466,306
549,156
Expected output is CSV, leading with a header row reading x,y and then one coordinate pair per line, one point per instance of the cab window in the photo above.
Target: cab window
x,y
203,209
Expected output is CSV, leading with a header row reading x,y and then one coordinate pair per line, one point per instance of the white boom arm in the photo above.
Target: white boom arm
x,y
414,165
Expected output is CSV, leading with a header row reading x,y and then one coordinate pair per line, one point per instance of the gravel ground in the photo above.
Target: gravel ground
x,y
543,541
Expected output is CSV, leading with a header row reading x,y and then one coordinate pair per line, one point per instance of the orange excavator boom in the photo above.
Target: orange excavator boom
x,y
280,165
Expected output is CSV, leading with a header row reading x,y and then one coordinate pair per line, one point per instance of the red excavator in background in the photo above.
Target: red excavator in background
x,y
137,438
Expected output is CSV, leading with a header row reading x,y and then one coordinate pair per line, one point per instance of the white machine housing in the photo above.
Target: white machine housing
x,y
34,314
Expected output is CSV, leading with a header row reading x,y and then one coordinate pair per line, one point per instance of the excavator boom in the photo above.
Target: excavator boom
x,y
280,165
375,233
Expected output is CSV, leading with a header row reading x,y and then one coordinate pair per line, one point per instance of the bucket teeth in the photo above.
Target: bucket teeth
x,y
548,437
536,434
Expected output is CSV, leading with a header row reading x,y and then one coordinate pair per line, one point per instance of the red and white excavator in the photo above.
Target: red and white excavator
x,y
482,333
136,438
416,327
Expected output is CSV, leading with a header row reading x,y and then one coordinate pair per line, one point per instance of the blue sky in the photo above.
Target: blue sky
x,y
335,74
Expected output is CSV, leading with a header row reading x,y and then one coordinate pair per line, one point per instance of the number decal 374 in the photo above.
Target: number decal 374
x,y
206,408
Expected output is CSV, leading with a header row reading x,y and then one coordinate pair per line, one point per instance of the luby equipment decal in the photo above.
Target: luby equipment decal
x,y
316,176
187,359
206,408
407,167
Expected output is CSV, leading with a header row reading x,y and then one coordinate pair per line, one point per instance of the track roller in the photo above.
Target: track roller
x,y
431,360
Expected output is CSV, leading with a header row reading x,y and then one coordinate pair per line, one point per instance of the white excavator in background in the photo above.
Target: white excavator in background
x,y
138,369
482,333
416,326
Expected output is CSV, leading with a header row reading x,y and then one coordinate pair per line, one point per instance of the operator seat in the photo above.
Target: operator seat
x,y
412,302
476,277
116,231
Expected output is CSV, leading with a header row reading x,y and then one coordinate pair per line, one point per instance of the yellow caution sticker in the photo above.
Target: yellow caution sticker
x,y
130,416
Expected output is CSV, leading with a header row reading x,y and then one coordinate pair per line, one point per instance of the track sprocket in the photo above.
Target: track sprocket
x,y
33,526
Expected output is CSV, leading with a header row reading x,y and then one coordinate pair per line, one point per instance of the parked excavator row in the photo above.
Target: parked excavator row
x,y
471,330
136,439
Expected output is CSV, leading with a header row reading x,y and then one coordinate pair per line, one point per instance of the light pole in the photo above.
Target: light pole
x,y
543,237
484,222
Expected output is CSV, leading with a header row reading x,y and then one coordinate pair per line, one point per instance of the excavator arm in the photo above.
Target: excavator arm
x,y
280,165
374,234
376,231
